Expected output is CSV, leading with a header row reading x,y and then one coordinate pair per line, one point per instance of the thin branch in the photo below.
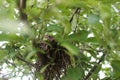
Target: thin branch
x,y
94,49
94,67
76,11
28,63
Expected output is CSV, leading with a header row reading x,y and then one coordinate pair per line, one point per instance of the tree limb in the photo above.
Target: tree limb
x,y
94,67
21,6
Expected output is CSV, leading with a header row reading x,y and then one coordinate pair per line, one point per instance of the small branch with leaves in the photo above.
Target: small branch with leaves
x,y
94,67
23,60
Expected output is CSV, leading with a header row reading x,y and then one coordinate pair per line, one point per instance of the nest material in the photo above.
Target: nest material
x,y
55,57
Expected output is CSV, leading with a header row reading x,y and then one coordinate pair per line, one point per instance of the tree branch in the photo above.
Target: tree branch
x,y
94,67
21,6
28,63
76,11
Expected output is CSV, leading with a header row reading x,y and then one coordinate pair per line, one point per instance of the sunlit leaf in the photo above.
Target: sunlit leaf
x,y
93,19
81,36
3,54
72,49
9,37
55,28
105,13
30,54
33,12
67,27
39,76
44,68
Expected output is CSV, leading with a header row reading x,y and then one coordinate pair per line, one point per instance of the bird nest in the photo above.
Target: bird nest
x,y
54,57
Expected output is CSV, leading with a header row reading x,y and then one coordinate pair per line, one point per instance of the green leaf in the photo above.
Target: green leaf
x,y
98,69
9,37
116,68
3,54
30,54
84,58
81,36
72,49
55,28
93,19
92,53
73,74
67,27
71,3
93,40
106,13
33,12
94,76
39,76
106,78
43,68
116,65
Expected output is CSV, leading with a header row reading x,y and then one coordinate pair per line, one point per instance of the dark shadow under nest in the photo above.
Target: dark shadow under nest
x,y
54,56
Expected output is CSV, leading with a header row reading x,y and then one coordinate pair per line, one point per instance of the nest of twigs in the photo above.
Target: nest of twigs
x,y
54,57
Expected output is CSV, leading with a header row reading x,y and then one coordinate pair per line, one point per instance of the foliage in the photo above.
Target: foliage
x,y
60,40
